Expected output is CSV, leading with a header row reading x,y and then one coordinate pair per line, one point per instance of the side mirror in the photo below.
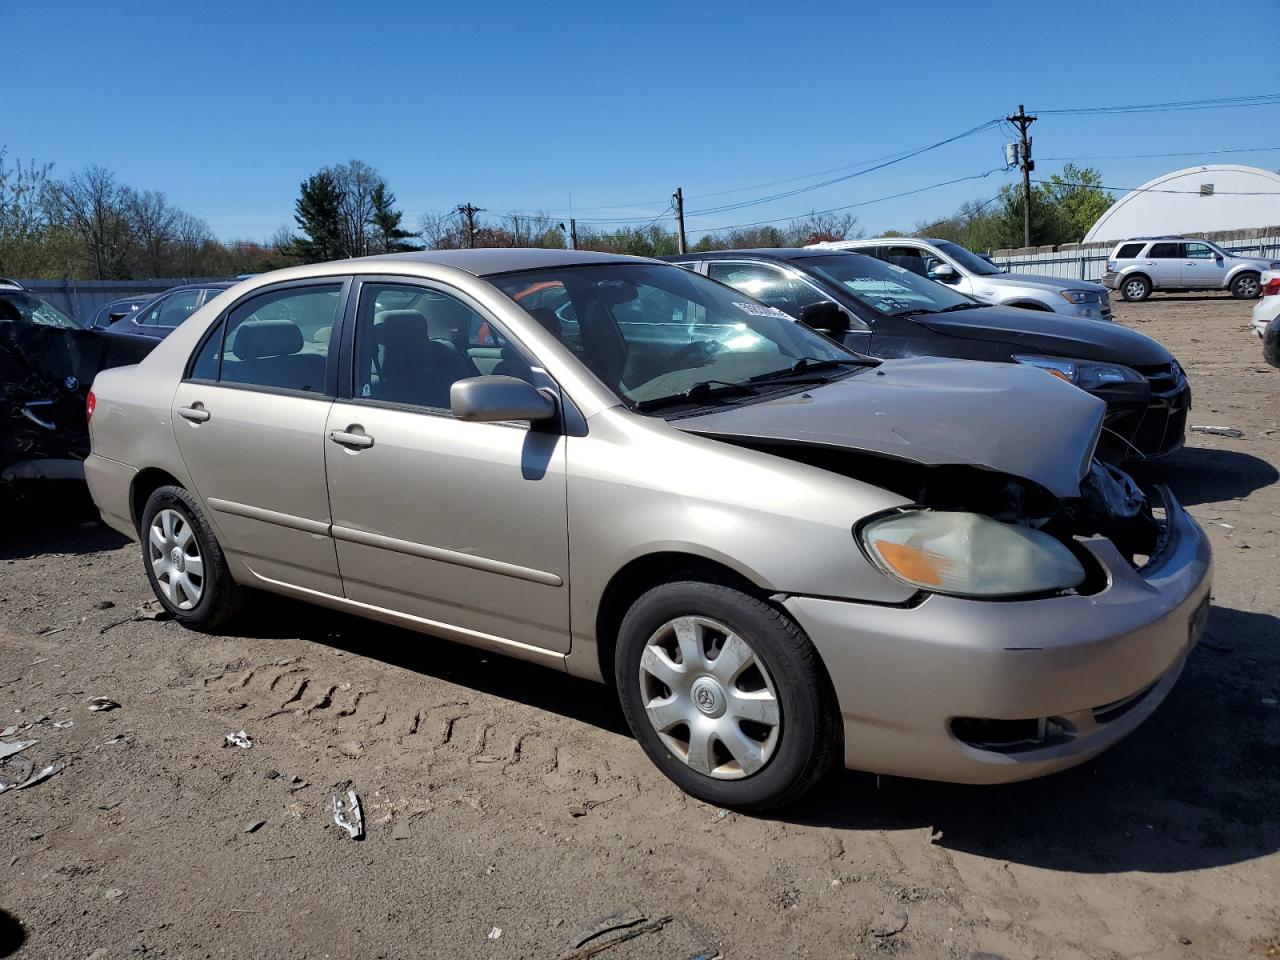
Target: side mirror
x,y
488,399
826,318
943,272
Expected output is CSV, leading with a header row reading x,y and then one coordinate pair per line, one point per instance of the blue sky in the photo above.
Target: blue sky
x,y
226,107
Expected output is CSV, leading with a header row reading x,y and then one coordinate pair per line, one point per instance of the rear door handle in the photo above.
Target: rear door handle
x,y
196,413
356,441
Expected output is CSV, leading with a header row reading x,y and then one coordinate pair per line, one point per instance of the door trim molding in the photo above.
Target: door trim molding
x,y
426,552
318,527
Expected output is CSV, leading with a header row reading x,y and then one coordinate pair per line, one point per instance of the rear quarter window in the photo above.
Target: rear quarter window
x,y
1129,251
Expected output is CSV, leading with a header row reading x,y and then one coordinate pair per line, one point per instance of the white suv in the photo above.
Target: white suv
x,y
1139,266
965,271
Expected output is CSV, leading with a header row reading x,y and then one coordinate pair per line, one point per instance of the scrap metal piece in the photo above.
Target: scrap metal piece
x,y
349,816
1219,431
98,704
612,936
239,739
10,747
44,774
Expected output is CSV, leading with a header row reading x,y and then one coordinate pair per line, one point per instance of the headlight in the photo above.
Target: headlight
x,y
969,555
1086,374
1079,296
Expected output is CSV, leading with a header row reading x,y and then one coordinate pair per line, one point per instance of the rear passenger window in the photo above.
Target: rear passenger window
x,y
278,340
1165,251
1129,251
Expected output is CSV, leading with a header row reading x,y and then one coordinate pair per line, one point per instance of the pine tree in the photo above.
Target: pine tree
x,y
386,222
318,212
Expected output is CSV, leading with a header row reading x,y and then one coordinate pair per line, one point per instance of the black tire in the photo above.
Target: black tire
x,y
221,598
809,742
1135,287
1246,286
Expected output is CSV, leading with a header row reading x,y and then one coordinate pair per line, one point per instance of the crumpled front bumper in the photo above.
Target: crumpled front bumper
x,y
1092,668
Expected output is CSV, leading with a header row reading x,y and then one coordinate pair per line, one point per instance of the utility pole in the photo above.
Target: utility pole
x,y
677,200
469,210
573,234
1022,120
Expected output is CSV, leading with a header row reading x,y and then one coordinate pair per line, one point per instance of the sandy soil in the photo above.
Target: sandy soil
x,y
503,797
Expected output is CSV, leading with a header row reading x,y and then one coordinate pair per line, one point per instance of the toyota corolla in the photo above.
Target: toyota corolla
x,y
783,554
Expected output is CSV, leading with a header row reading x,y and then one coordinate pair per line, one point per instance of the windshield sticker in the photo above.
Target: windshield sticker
x,y
760,310
894,266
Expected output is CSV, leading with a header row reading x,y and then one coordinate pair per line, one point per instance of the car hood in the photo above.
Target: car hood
x,y
1039,280
1016,420
1038,331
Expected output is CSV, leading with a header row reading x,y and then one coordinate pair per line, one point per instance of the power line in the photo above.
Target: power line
x,y
1216,193
1146,156
860,203
1257,100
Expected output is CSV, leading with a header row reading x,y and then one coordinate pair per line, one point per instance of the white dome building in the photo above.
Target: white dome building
x,y
1193,201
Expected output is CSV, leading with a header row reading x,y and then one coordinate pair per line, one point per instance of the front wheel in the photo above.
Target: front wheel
x,y
1135,288
726,695
1246,286
184,562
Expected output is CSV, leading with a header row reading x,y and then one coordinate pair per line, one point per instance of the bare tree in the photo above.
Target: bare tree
x,y
92,204
358,183
191,235
23,192
152,220
441,231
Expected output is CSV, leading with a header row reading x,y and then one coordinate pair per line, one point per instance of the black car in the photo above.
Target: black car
x,y
887,311
109,313
164,313
1271,343
47,362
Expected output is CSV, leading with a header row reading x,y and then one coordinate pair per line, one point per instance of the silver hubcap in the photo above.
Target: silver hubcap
x,y
1134,289
175,559
710,698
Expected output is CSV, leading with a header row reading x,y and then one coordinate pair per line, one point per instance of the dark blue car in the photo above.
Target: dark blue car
x,y
160,316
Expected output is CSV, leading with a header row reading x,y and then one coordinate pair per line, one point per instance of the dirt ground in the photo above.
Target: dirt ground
x,y
507,807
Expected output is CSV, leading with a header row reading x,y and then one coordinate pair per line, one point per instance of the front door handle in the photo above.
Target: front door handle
x,y
348,438
196,413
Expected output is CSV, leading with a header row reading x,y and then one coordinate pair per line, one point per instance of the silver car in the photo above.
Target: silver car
x,y
784,555
965,271
1139,266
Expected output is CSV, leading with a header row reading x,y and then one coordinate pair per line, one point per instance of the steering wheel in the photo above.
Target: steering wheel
x,y
699,350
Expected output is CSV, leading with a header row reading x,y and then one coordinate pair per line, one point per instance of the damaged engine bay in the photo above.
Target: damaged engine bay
x,y
1111,504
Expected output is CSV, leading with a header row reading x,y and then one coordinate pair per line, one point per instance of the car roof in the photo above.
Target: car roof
x,y
486,261
210,285
762,253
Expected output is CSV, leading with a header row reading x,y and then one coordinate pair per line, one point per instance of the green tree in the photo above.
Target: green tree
x,y
389,236
1078,200
318,212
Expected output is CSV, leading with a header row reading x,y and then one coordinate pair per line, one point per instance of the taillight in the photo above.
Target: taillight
x,y
1271,288
90,402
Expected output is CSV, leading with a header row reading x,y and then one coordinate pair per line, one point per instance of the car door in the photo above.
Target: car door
x,y
1164,263
1201,267
250,418
461,526
784,289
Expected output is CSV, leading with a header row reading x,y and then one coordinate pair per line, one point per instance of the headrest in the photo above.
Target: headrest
x,y
389,325
548,320
257,339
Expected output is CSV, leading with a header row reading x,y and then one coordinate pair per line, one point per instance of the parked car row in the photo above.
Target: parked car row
x,y
785,554
888,308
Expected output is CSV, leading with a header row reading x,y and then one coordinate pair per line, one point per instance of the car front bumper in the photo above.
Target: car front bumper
x,y
1083,671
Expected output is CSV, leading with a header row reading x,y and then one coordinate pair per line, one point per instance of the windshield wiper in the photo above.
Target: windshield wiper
x,y
960,306
808,364
700,391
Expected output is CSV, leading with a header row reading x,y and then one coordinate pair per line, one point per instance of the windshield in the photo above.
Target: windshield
x,y
19,307
885,287
970,261
653,331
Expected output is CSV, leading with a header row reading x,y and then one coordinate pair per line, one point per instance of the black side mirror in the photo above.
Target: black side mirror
x,y
826,318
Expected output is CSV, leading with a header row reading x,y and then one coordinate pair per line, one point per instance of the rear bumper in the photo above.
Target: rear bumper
x,y
111,485
45,468
1094,667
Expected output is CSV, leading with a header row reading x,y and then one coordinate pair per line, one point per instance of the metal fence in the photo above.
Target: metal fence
x,y
82,298
1090,263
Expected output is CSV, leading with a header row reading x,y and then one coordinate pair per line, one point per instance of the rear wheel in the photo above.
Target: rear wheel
x,y
184,562
726,695
1246,286
1135,288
